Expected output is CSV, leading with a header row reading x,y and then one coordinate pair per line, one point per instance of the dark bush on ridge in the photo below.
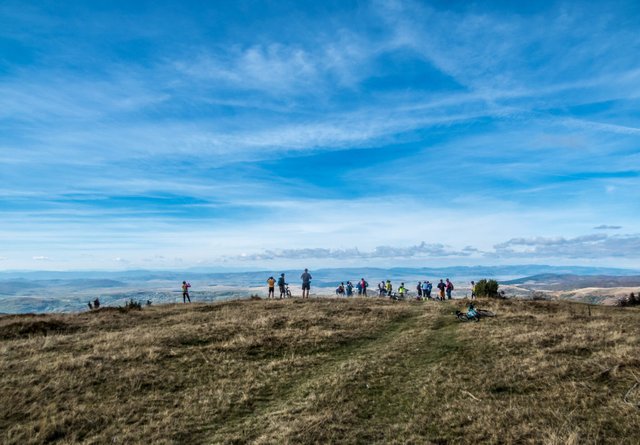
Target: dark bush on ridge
x,y
488,288
131,305
631,300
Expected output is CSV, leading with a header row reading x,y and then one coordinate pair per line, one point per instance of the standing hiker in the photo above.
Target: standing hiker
x,y
401,291
426,290
363,286
185,292
281,285
349,289
449,289
306,283
441,287
271,283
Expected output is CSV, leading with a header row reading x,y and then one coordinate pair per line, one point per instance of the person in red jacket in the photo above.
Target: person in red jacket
x,y
449,289
185,292
363,286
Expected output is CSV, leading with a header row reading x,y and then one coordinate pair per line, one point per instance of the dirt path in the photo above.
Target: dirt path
x,y
360,393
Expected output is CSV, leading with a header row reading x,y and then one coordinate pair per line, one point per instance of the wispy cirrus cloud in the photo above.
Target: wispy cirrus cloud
x,y
495,52
274,69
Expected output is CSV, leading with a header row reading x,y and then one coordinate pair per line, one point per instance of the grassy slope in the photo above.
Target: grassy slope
x,y
322,371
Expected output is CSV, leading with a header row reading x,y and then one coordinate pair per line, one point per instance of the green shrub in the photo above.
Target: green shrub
x,y
487,288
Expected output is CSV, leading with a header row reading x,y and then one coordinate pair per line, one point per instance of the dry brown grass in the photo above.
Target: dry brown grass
x,y
322,371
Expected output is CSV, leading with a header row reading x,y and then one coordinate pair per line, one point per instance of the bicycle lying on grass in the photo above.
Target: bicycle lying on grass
x,y
474,314
399,297
467,316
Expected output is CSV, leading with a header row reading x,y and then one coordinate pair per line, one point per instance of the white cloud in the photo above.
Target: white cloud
x,y
41,258
273,68
582,248
312,67
586,247
422,250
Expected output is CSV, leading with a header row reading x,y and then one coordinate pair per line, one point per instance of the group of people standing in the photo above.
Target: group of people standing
x,y
347,290
283,286
424,289
385,288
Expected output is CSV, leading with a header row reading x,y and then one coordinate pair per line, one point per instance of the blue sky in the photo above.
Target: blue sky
x,y
282,134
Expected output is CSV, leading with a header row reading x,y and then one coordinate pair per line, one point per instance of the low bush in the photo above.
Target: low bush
x,y
131,305
488,288
632,300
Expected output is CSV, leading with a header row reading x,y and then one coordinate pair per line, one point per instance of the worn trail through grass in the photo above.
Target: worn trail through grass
x,y
368,385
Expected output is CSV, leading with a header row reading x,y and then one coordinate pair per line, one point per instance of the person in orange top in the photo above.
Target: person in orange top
x,y
271,282
441,286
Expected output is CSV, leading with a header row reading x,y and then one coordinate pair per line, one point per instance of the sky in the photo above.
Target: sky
x,y
258,134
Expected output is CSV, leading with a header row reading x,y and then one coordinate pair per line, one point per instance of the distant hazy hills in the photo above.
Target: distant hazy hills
x,y
257,277
13,287
550,281
46,291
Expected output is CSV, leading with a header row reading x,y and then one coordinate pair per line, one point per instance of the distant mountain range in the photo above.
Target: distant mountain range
x,y
12,286
549,281
47,291
331,274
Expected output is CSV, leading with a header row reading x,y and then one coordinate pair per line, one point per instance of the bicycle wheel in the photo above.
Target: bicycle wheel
x,y
462,316
288,293
485,313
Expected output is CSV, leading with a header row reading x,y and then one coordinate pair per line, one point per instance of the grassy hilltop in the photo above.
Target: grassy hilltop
x,y
359,371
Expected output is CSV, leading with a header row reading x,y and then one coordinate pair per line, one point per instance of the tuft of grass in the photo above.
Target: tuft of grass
x,y
322,371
